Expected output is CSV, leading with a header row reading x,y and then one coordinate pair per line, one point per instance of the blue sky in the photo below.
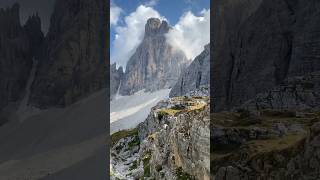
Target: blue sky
x,y
171,10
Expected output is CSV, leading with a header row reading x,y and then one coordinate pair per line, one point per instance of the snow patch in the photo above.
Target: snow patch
x,y
128,111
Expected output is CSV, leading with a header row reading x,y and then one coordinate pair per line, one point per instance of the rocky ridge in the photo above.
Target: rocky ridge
x,y
155,64
74,60
296,93
18,47
195,77
116,76
172,143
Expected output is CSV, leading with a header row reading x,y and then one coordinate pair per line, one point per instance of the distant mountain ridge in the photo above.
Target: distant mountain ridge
x,y
196,76
19,45
116,75
74,61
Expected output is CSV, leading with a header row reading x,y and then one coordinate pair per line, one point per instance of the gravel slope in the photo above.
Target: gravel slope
x,y
57,143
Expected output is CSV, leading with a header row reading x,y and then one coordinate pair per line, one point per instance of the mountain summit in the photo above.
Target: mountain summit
x,y
155,64
155,27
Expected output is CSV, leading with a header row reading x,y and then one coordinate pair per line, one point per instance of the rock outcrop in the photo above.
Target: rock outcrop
x,y
116,76
195,77
272,145
18,47
172,143
296,93
155,64
74,61
260,43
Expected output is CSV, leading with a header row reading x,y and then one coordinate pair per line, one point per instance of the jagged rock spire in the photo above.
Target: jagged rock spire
x,y
155,64
155,26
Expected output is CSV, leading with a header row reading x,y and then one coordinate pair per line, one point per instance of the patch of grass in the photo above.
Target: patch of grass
x,y
181,175
219,155
152,137
182,104
115,137
275,144
197,106
168,112
178,107
197,97
278,113
161,114
243,113
229,119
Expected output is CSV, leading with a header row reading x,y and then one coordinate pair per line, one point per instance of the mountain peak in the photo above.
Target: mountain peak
x,y
155,64
10,16
155,26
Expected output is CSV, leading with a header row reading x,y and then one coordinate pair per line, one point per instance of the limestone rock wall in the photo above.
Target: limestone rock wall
x,y
155,64
18,47
196,76
74,61
259,44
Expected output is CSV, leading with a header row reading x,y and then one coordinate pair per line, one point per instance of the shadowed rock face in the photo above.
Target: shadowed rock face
x,y
155,64
266,72
195,76
18,46
116,76
295,93
259,44
74,62
275,144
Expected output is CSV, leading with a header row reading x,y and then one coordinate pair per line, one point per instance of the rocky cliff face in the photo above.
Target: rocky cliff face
x,y
116,76
155,64
259,44
195,77
172,143
18,47
295,93
74,61
35,35
266,72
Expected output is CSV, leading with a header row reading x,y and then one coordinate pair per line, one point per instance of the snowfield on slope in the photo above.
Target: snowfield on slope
x,y
128,111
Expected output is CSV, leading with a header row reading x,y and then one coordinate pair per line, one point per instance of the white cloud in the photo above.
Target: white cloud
x,y
191,33
151,3
129,36
115,12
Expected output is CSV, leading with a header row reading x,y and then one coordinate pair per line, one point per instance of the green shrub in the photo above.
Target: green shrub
x,y
115,137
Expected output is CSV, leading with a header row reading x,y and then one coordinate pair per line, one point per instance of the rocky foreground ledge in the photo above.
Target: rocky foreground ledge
x,y
268,144
172,143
